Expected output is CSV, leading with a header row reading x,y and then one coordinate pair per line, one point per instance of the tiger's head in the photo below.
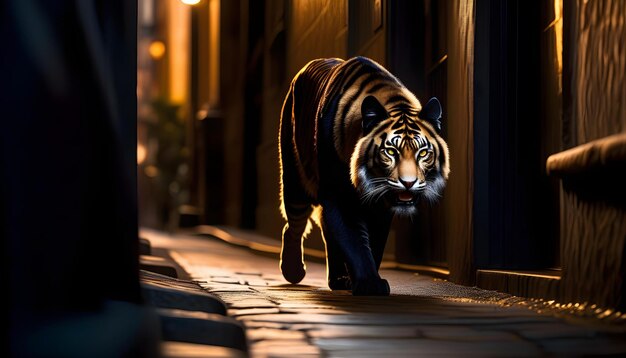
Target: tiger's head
x,y
401,157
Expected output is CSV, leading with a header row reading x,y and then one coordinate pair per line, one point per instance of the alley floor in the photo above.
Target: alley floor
x,y
422,317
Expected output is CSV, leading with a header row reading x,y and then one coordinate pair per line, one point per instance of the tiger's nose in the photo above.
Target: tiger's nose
x,y
408,183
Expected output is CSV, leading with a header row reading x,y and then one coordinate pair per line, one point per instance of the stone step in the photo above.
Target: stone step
x,y
165,292
202,328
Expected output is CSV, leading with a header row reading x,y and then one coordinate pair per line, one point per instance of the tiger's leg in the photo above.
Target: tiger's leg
x,y
336,270
295,202
350,234
291,255
378,223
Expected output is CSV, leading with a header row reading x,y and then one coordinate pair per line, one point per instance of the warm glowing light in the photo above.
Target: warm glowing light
x,y
151,171
214,53
558,29
557,26
178,50
141,153
156,49
190,2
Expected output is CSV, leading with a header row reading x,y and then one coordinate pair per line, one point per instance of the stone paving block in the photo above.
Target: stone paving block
x,y
294,326
230,280
192,350
457,333
251,311
269,277
349,319
464,333
179,298
166,292
256,282
251,303
276,325
284,348
285,287
217,287
260,334
318,310
248,273
167,281
303,305
209,271
246,299
423,347
294,318
344,331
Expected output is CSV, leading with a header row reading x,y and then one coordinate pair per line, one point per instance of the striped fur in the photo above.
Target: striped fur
x,y
350,129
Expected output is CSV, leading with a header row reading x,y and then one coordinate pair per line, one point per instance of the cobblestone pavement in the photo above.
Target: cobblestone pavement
x,y
423,316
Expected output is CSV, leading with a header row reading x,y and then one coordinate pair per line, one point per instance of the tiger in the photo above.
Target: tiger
x,y
356,147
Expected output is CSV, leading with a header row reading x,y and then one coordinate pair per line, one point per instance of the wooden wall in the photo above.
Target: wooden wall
x,y
593,209
458,198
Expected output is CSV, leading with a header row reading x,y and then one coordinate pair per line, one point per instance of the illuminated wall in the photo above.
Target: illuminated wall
x,y
178,34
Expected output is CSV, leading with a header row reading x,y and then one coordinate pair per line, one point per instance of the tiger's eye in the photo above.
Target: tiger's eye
x,y
423,153
391,152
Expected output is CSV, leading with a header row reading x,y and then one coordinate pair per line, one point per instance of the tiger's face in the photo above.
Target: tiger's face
x,y
401,159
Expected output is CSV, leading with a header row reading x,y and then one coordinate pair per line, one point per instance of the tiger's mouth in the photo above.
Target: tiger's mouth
x,y
406,198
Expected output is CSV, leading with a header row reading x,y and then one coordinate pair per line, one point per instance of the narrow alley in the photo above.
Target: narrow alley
x,y
422,317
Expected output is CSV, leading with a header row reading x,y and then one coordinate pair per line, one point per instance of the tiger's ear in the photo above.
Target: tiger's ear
x,y
431,112
373,113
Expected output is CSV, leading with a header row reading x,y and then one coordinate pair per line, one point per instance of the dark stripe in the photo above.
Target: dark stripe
x,y
377,87
399,113
394,99
376,160
442,158
358,74
412,125
349,103
432,134
343,72
421,141
368,150
404,108
349,69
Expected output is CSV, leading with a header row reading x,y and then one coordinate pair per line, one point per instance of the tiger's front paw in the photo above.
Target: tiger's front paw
x,y
340,283
371,287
